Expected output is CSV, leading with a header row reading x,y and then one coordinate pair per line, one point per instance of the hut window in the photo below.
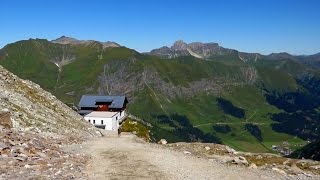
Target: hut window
x,y
94,121
89,120
101,121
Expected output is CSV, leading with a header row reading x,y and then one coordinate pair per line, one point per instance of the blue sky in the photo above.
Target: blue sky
x,y
263,26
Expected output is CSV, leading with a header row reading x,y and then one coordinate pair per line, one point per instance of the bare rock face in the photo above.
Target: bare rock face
x,y
66,40
164,52
179,46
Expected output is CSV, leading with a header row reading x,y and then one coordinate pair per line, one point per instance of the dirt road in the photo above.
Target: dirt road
x,y
128,157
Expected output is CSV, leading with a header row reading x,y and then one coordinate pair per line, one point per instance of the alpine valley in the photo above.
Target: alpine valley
x,y
187,92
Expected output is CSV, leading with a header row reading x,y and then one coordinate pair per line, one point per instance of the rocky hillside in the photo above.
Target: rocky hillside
x,y
33,109
33,126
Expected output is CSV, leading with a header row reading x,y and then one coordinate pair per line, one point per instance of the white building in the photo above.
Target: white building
x,y
105,112
106,119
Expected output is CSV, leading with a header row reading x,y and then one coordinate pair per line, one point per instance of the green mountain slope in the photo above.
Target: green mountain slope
x,y
245,104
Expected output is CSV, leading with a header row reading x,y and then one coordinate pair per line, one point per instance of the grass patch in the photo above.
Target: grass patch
x,y
136,128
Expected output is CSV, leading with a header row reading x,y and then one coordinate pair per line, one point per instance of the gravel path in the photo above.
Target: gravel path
x,y
128,157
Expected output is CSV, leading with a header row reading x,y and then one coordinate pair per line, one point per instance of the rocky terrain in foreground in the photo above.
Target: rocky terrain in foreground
x,y
264,161
33,126
129,157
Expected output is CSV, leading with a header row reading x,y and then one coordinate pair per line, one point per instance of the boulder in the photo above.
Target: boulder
x,y
162,141
279,170
240,160
186,152
207,148
253,166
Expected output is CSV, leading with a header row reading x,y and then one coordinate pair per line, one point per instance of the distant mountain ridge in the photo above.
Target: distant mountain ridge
x,y
313,60
70,40
196,49
209,50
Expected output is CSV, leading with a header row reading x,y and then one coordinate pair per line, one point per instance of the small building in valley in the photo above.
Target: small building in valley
x,y
105,112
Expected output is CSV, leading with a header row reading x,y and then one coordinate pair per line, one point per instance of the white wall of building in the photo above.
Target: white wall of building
x,y
110,123
121,115
110,120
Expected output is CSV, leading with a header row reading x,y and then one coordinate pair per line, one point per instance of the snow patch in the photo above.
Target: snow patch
x,y
194,54
57,64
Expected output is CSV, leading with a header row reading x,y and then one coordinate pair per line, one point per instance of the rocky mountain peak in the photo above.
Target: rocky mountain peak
x,y
179,45
66,40
281,55
110,44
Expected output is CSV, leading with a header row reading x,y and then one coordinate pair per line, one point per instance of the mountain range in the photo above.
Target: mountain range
x,y
188,92
207,50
